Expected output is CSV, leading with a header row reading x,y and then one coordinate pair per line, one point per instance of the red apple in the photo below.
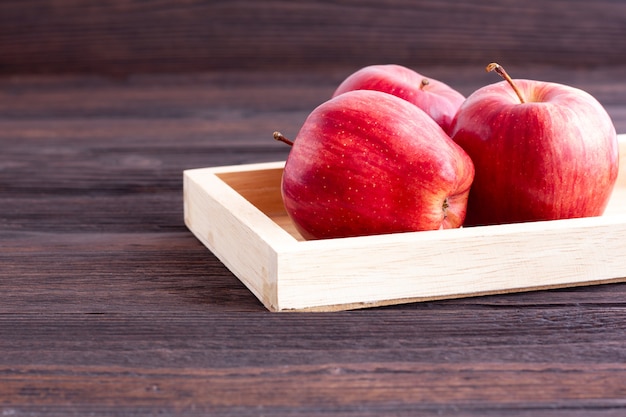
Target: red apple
x,y
436,98
367,162
541,150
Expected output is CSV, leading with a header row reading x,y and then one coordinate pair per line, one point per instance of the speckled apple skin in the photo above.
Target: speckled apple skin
x,y
437,99
553,157
367,162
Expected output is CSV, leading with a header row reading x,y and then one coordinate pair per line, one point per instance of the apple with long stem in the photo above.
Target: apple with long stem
x,y
541,151
437,99
367,162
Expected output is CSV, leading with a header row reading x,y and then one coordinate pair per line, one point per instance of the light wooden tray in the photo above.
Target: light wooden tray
x,y
237,212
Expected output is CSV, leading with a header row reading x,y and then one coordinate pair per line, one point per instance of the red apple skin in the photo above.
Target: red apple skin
x,y
553,157
366,163
437,99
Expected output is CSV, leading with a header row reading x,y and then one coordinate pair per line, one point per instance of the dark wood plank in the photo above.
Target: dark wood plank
x,y
518,361
399,389
128,36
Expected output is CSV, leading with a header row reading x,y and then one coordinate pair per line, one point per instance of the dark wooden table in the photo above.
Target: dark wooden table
x,y
110,306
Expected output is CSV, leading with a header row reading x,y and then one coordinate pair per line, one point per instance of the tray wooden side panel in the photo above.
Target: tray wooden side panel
x,y
234,230
381,270
261,187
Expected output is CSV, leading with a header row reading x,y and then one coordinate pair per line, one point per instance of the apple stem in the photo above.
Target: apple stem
x,y
424,83
281,138
502,72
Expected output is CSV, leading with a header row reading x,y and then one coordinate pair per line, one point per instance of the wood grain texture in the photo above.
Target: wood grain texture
x,y
128,36
110,306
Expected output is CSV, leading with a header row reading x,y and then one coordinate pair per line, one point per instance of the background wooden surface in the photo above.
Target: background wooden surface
x,y
108,304
126,36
